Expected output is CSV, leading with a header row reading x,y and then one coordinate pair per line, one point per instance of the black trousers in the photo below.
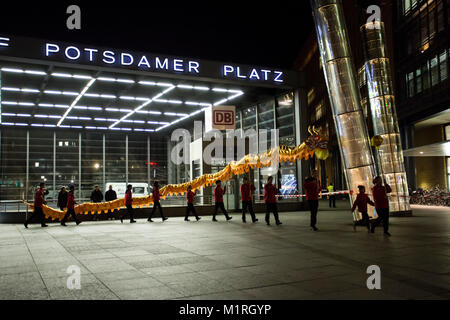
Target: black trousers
x,y
70,212
62,208
219,205
332,201
383,215
272,207
248,205
130,212
110,214
190,208
157,204
37,213
313,207
365,219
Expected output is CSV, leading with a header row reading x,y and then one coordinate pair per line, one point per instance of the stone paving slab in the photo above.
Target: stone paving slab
x,y
229,260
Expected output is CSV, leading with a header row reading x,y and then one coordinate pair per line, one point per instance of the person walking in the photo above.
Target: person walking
x,y
380,198
62,199
246,197
96,197
38,202
129,204
110,195
361,201
190,204
156,203
312,189
70,207
271,201
331,197
218,201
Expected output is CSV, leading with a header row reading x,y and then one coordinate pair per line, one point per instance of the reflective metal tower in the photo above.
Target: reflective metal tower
x,y
384,116
340,77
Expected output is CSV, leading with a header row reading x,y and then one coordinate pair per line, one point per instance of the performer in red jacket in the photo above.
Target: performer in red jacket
x,y
381,204
190,204
38,202
129,204
271,201
361,201
312,190
218,199
156,203
246,197
70,207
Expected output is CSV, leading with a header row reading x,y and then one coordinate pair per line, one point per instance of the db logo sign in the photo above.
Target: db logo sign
x,y
223,117
220,118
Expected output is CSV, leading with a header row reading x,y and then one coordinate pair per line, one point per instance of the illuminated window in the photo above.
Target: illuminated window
x,y
311,95
443,65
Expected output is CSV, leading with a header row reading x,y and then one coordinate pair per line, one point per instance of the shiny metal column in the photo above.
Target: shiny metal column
x,y
384,116
340,77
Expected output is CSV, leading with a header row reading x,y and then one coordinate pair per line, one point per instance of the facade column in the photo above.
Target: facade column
x,y
340,77
27,174
384,116
301,129
54,162
126,160
148,161
79,165
104,163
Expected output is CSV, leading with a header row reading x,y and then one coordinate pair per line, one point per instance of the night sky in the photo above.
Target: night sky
x,y
251,32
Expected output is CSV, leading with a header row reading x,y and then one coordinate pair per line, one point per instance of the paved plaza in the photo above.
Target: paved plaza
x,y
229,260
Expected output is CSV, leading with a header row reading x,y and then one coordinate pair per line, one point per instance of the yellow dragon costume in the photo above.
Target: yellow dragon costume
x,y
316,144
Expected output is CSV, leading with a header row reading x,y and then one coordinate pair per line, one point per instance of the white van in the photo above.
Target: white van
x,y
139,189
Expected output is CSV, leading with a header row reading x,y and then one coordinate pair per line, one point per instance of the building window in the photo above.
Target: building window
x,y
410,84
419,81
311,96
443,65
409,5
319,110
434,71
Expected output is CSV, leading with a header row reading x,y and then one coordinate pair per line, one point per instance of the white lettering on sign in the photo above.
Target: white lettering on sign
x,y
146,62
229,71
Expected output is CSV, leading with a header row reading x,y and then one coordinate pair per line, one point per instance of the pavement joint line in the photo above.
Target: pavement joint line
x,y
35,265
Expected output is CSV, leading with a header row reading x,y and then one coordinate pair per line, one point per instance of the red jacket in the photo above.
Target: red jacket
x,y
218,194
190,196
70,201
155,194
269,193
380,196
247,191
362,199
38,198
312,189
128,198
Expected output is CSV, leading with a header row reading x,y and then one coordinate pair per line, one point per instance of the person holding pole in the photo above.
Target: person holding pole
x,y
70,207
218,201
190,204
246,197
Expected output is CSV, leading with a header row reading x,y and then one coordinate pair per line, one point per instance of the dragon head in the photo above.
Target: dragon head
x,y
317,142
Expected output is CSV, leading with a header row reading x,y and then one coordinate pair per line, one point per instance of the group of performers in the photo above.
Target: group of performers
x,y
311,186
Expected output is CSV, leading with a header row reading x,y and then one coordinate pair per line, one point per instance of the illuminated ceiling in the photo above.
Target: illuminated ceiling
x,y
34,95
